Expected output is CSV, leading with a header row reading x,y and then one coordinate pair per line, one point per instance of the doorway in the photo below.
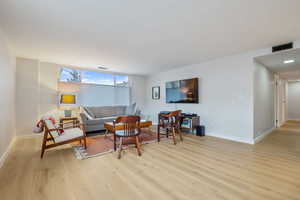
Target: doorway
x,y
285,66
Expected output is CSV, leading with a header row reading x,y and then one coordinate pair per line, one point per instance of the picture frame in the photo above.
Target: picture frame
x,y
155,92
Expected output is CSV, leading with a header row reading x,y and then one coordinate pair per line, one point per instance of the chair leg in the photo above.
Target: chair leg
x,y
138,145
120,148
44,144
174,136
158,133
180,134
42,152
84,140
167,132
115,144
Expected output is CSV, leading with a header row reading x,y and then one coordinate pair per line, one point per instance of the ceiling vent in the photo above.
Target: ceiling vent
x,y
283,47
103,68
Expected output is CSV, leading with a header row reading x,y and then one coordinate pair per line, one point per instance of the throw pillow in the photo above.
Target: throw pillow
x,y
87,109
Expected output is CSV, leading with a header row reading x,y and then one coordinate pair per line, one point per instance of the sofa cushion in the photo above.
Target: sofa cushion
x,y
130,110
105,111
107,119
99,121
120,110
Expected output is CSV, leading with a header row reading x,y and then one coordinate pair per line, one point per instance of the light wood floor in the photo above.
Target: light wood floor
x,y
199,168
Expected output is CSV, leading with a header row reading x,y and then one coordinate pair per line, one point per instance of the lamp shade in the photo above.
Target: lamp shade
x,y
69,99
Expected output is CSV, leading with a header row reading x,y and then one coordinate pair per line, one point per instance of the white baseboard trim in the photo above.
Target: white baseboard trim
x,y
5,154
263,135
230,138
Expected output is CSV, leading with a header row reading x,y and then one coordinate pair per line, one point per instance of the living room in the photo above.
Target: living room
x,y
158,63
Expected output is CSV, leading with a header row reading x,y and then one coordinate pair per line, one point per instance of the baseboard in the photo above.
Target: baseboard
x,y
229,138
5,154
263,135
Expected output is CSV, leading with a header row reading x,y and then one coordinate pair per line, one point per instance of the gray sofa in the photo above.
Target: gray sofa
x,y
94,118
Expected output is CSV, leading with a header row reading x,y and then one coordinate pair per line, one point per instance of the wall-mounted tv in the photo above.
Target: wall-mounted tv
x,y
182,91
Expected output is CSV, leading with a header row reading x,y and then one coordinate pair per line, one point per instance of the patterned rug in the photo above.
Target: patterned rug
x,y
100,145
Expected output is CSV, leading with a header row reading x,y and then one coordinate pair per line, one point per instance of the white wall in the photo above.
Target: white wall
x,y
47,82
7,97
36,92
264,107
27,95
225,91
293,98
138,91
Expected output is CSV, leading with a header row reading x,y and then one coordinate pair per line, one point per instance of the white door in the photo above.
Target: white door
x,y
280,102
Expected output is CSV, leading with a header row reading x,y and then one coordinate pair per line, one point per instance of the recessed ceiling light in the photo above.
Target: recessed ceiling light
x,y
288,61
102,68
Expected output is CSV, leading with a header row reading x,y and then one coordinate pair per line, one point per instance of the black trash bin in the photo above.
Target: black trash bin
x,y
200,130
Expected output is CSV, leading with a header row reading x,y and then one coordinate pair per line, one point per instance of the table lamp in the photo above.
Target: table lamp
x,y
66,101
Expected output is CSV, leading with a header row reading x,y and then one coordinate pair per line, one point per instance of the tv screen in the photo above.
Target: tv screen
x,y
182,91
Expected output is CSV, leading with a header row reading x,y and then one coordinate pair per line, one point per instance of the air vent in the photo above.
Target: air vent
x,y
102,68
283,47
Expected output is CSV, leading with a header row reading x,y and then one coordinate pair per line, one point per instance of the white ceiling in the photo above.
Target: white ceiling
x,y
275,62
142,37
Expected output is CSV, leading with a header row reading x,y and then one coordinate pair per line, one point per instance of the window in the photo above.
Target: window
x,y
98,78
70,75
96,88
121,80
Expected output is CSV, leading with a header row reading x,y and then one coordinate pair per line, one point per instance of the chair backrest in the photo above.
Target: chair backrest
x,y
50,126
131,124
171,119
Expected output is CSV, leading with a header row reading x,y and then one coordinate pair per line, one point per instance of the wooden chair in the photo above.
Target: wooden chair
x,y
169,122
131,129
52,134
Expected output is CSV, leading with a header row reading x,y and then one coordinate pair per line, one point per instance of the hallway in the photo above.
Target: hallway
x,y
286,139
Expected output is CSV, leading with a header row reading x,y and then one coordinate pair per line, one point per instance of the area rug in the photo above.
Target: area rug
x,y
100,145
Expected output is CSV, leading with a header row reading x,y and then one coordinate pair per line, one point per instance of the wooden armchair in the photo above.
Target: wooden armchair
x,y
53,135
169,122
131,129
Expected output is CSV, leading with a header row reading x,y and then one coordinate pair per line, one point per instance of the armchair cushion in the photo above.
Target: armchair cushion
x,y
69,134
122,133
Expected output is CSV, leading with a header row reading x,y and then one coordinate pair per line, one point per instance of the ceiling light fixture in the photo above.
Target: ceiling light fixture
x,y
288,61
102,68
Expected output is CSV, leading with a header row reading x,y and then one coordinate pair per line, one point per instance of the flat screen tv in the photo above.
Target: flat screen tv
x,y
182,91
